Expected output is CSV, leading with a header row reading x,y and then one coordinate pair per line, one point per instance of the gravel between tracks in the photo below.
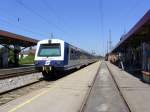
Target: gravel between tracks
x,y
4,98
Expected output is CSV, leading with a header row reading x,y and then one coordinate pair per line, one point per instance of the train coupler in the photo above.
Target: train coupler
x,y
47,69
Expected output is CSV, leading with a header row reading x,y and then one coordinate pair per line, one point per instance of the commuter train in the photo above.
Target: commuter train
x,y
56,55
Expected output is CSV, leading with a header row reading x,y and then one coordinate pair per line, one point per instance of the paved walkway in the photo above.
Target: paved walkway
x,y
68,93
65,95
135,92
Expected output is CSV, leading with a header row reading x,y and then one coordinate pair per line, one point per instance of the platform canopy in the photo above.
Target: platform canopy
x,y
139,33
9,38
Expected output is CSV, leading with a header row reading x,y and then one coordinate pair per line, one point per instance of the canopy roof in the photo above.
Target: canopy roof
x,y
140,32
15,39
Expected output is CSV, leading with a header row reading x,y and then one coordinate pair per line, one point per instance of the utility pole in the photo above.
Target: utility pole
x,y
124,31
107,47
110,42
52,36
18,19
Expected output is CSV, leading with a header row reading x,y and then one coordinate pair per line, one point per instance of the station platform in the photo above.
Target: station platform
x,y
135,92
69,93
64,95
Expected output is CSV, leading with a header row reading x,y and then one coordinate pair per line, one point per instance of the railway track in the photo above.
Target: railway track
x,y
14,78
92,88
103,68
14,72
89,91
13,94
126,104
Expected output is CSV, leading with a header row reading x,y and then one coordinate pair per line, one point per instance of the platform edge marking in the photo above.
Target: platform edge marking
x,y
28,101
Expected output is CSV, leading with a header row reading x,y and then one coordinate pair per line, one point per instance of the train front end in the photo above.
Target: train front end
x,y
49,55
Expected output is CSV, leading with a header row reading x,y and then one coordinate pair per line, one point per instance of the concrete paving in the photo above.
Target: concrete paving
x,y
64,95
135,92
105,96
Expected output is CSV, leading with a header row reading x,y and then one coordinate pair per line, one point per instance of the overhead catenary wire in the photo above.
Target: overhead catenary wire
x,y
20,26
31,10
51,10
101,16
131,9
130,12
110,41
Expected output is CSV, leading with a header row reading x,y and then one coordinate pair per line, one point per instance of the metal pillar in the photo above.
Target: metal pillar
x,y
144,56
16,55
4,57
1,59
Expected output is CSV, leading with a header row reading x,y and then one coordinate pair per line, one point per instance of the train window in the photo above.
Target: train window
x,y
72,51
49,50
73,54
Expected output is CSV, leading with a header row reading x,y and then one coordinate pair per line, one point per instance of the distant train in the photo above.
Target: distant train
x,y
56,55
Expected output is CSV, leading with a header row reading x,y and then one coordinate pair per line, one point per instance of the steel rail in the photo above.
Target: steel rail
x,y
89,90
118,88
15,72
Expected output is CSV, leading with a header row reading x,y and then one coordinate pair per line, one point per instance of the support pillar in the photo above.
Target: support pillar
x,y
0,59
16,55
145,56
4,57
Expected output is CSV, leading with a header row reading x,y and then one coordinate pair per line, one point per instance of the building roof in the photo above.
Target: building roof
x,y
28,51
139,32
15,39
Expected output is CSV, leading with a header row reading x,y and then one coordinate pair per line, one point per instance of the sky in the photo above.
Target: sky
x,y
83,23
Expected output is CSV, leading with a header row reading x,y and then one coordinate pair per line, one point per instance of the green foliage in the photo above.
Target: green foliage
x,y
11,57
27,60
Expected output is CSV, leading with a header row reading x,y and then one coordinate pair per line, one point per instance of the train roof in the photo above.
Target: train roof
x,y
59,40
79,49
46,40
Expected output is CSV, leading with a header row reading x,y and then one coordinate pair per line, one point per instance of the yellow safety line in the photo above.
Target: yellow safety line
x,y
32,99
27,102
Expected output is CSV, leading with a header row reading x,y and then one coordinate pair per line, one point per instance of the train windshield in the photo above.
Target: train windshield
x,y
49,50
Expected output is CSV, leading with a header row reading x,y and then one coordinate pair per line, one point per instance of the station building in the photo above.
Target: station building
x,y
15,43
133,49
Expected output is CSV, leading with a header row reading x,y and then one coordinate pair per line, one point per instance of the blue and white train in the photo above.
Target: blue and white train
x,y
56,55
